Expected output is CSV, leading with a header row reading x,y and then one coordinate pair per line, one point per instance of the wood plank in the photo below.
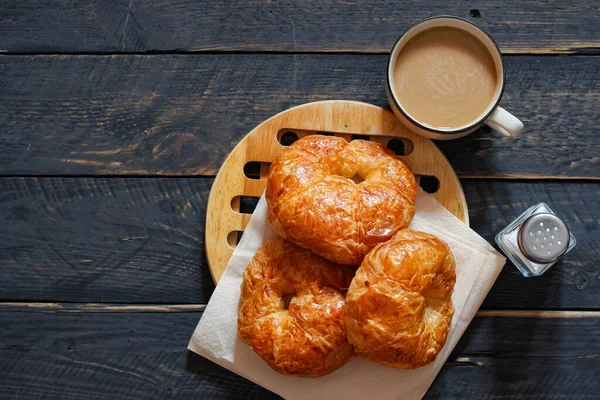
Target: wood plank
x,y
518,378
117,375
133,240
182,115
328,25
104,239
530,336
114,374
106,355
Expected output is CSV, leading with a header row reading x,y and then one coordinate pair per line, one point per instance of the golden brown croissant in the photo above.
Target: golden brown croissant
x,y
314,202
309,337
399,306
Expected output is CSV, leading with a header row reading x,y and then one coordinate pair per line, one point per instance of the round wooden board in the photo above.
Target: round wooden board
x,y
242,177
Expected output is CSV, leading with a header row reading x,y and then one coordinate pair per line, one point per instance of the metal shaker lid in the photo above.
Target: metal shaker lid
x,y
543,238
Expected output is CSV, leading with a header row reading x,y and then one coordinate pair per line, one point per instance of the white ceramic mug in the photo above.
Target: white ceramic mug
x,y
494,116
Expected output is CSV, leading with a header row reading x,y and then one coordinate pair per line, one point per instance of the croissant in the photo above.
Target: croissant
x,y
306,337
339,199
399,306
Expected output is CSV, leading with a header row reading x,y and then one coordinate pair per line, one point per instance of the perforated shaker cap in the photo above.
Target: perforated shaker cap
x,y
544,238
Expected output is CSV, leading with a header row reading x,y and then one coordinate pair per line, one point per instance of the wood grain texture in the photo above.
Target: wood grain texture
x,y
518,378
103,239
134,240
106,355
182,115
341,118
331,25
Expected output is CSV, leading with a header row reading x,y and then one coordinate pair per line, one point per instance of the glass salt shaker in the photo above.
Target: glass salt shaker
x,y
536,240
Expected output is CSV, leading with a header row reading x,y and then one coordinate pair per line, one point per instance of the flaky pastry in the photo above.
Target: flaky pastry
x,y
399,306
315,201
307,337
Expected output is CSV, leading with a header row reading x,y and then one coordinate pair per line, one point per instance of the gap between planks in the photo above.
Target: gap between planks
x,y
98,307
583,49
507,177
529,177
174,308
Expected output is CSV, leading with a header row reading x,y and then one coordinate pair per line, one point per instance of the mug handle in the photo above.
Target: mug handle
x,y
505,123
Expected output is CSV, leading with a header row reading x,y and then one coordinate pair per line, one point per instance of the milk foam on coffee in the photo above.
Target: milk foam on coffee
x,y
444,77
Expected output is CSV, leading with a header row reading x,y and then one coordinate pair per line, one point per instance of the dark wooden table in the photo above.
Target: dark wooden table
x,y
116,115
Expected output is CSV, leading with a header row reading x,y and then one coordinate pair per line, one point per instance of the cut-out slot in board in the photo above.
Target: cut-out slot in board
x,y
242,178
244,204
360,137
233,238
430,184
256,169
401,146
287,137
